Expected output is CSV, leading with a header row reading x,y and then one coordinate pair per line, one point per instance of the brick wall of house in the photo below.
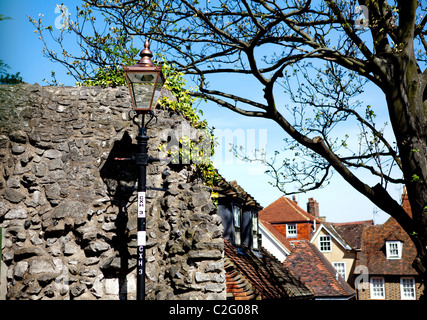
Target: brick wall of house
x,y
303,230
392,289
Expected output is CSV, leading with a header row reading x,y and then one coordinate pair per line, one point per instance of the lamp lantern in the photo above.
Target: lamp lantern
x,y
145,81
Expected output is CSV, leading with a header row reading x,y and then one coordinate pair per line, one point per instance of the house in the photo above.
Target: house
x,y
376,260
317,272
251,271
283,223
340,243
384,265
302,240
239,213
275,242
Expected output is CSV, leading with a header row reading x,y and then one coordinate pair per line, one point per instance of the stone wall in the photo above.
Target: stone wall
x,y
68,209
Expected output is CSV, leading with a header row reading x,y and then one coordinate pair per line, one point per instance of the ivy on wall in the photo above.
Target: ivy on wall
x,y
184,104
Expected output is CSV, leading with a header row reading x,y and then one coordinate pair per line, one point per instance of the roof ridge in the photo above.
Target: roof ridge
x,y
273,203
353,222
285,210
331,228
298,211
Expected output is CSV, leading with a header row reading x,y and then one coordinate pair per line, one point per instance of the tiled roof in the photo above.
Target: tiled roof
x,y
231,189
285,210
313,269
277,234
373,254
350,232
250,276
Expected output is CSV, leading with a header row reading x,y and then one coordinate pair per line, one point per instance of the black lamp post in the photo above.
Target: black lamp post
x,y
145,81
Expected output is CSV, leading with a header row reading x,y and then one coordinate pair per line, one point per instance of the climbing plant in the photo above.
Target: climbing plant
x,y
184,104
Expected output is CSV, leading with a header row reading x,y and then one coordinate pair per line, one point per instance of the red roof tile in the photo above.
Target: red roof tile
x,y
277,234
284,210
313,269
350,232
250,276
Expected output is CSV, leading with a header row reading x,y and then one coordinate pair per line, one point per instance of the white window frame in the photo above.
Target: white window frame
x,y
329,240
340,268
291,230
392,246
237,218
373,292
255,231
403,294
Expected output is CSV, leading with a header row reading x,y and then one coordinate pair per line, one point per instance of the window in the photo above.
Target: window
x,y
255,237
394,249
237,214
377,288
291,230
325,244
407,289
340,267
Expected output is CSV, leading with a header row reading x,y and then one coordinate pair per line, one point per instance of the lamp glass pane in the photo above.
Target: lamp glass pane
x,y
145,89
142,77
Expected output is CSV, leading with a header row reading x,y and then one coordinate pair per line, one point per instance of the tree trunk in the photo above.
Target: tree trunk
x,y
408,114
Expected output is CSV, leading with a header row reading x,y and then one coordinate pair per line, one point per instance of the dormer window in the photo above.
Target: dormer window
x,y
291,230
237,216
394,249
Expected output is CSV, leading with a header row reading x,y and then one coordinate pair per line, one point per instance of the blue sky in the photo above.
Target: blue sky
x,y
22,51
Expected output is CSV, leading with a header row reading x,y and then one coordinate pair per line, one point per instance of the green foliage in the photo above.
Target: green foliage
x,y
5,77
10,78
3,17
106,77
184,104
416,178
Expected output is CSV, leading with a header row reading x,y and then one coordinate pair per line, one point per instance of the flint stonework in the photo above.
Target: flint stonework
x,y
68,209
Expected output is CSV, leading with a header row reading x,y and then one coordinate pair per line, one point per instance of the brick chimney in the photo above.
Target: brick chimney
x,y
405,202
313,207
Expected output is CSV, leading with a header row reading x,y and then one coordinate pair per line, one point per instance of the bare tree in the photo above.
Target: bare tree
x,y
319,53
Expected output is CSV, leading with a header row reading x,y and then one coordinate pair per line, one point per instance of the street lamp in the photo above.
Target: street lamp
x,y
145,81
